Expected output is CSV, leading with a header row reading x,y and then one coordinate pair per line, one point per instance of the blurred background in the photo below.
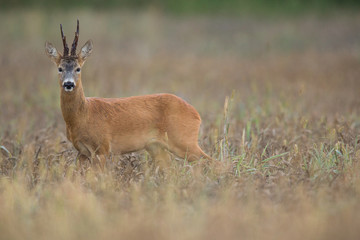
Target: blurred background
x,y
194,7
299,58
275,82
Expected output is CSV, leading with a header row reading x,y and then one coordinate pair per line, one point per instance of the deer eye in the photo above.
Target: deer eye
x,y
60,69
78,70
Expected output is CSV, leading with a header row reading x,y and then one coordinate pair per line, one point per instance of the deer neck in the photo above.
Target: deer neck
x,y
73,105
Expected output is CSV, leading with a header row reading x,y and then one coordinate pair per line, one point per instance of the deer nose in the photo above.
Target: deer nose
x,y
68,85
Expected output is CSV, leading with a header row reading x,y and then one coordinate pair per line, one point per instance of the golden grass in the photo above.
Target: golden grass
x,y
288,135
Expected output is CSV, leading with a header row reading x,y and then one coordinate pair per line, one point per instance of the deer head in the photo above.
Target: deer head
x,y
69,65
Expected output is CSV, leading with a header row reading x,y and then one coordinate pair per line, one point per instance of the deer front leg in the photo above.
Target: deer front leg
x,y
85,152
91,154
101,159
84,163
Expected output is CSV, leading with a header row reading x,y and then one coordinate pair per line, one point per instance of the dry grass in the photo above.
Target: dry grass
x,y
288,134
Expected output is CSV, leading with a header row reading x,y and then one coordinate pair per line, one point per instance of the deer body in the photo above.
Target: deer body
x,y
104,126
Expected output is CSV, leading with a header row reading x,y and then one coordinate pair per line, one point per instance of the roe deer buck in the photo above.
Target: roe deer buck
x,y
98,127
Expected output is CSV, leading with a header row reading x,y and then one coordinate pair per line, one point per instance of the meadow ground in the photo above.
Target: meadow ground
x,y
280,109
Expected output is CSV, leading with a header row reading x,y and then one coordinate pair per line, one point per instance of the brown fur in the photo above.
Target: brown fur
x,y
100,126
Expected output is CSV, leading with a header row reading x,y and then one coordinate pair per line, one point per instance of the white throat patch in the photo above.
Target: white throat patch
x,y
69,90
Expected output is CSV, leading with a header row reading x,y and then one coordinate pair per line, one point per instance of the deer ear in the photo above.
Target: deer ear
x,y
52,53
85,51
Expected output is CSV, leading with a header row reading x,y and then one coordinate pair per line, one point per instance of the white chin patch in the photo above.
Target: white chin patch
x,y
68,89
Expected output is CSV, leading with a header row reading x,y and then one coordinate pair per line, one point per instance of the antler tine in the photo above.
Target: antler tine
x,y
66,49
75,42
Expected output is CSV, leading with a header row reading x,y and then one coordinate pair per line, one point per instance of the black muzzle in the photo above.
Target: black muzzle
x,y
68,86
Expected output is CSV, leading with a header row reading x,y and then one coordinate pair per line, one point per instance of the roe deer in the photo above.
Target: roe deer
x,y
98,127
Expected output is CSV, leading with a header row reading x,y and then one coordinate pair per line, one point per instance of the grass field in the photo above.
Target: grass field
x,y
280,110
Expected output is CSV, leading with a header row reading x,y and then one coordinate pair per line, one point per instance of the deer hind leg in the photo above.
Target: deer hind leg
x,y
183,134
159,153
190,153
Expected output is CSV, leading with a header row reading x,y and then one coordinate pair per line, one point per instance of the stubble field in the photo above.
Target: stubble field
x,y
280,109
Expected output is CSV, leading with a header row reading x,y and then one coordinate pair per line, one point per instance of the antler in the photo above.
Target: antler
x,y
75,42
66,49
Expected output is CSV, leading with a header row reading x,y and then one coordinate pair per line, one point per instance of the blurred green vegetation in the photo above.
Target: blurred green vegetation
x,y
194,6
